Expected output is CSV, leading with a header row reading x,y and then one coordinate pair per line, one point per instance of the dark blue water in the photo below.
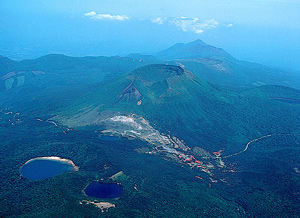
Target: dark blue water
x,y
44,168
109,138
100,190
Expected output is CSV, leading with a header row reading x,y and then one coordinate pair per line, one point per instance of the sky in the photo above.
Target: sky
x,y
263,31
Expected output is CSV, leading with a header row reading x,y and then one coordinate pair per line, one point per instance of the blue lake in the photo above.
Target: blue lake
x,y
37,169
105,191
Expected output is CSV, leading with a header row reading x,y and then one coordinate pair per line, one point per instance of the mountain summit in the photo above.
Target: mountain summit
x,y
195,49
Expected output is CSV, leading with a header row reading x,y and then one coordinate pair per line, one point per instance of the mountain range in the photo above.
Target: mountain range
x,y
170,93
227,129
212,64
172,98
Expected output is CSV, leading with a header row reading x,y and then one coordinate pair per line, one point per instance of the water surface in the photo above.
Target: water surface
x,y
105,191
46,167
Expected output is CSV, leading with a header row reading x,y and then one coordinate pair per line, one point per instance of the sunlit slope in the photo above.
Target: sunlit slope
x,y
167,95
175,100
148,88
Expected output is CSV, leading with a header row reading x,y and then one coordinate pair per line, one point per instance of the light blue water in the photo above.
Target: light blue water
x,y
105,191
38,169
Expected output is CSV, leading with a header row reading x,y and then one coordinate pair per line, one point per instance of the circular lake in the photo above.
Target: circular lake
x,y
105,191
46,167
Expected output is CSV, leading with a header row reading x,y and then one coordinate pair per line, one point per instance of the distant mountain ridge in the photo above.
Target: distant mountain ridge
x,y
217,66
177,141
54,69
5,65
209,63
195,49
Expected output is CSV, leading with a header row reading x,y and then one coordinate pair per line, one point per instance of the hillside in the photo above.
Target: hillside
x,y
53,70
177,101
217,66
166,95
237,150
207,62
195,49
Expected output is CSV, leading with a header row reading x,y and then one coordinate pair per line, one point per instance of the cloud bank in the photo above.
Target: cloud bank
x,y
93,15
182,23
188,24
158,20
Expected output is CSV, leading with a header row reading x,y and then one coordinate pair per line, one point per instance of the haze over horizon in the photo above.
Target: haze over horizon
x,y
263,31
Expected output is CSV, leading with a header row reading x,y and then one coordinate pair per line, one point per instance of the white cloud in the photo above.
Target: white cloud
x,y
194,24
230,25
90,14
188,24
93,15
199,31
158,20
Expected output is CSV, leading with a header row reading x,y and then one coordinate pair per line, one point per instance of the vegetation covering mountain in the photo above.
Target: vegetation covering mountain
x,y
142,56
205,61
217,66
53,70
196,111
245,141
5,65
172,98
239,74
65,120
